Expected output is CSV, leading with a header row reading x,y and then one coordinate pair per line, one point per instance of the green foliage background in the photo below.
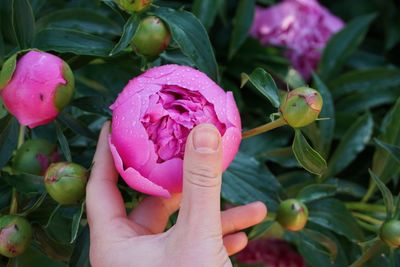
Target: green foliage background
x,y
358,76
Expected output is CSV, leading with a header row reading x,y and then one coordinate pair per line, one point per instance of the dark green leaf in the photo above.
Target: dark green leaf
x,y
23,22
80,256
1,47
72,41
368,254
352,143
75,125
127,34
384,165
365,81
334,216
342,45
206,11
347,187
94,104
36,204
76,222
308,158
81,19
264,83
34,257
8,138
391,149
261,228
7,70
246,181
26,183
62,140
326,127
316,191
190,35
241,25
387,195
5,194
324,241
3,111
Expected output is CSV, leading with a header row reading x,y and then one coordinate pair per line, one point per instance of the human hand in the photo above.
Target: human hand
x,y
203,236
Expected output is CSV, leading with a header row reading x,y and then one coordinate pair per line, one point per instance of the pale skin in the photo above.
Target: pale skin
x,y
203,236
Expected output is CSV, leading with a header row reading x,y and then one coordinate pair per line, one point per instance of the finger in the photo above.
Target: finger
x,y
202,167
103,199
239,218
235,242
153,212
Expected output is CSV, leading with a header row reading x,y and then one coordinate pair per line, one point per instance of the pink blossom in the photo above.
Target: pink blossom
x,y
38,89
271,253
302,26
152,118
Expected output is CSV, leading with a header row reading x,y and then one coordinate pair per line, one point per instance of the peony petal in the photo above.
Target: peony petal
x,y
232,112
168,175
134,179
230,145
128,134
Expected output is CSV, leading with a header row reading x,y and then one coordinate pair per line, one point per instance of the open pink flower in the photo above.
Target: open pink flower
x,y
303,26
40,87
152,118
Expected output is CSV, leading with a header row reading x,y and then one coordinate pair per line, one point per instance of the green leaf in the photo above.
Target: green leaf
x,y
241,25
128,32
264,83
75,125
35,205
324,241
80,255
347,187
72,41
308,158
81,19
23,23
62,140
391,149
191,37
5,194
342,45
352,143
259,229
7,70
246,180
8,138
25,182
384,165
94,104
333,215
387,195
3,110
368,254
315,192
326,127
206,11
365,81
34,257
76,222
1,47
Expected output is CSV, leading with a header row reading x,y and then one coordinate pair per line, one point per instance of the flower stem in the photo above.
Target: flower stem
x,y
14,196
367,218
370,192
365,207
264,128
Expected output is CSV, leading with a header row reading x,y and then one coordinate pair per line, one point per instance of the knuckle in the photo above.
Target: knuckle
x,y
203,176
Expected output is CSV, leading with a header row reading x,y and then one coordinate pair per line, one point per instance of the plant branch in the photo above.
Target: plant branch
x,y
365,207
14,196
264,128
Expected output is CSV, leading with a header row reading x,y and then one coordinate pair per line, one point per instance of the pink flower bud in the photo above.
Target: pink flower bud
x,y
40,87
152,118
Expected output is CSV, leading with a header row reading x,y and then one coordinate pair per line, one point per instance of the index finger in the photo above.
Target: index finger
x,y
103,199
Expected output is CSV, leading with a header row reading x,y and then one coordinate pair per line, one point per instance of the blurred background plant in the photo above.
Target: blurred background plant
x,y
329,185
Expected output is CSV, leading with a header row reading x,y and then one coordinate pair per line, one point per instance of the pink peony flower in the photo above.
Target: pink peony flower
x,y
271,253
41,86
152,118
302,26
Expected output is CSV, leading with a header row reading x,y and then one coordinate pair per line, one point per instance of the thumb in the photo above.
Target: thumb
x,y
202,169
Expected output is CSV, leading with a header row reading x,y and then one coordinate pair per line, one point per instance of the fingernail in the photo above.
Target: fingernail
x,y
206,139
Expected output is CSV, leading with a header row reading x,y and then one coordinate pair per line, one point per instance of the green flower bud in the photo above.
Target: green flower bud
x,y
64,93
66,182
151,38
292,215
34,156
131,6
390,233
15,235
301,106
